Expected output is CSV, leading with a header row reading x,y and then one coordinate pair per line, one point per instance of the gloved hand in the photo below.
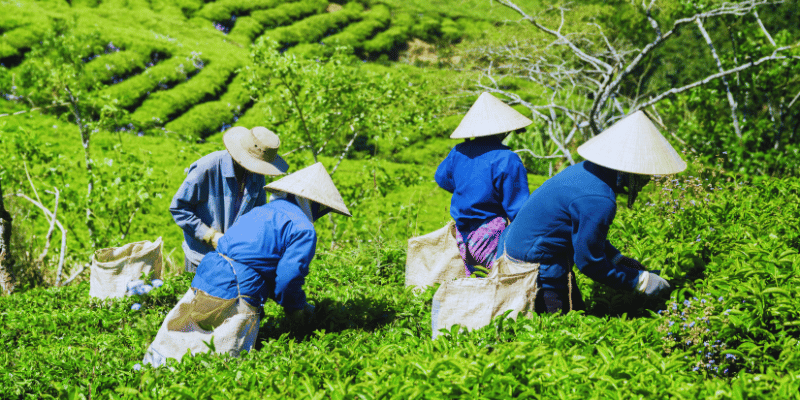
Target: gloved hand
x,y
215,240
651,284
629,262
212,237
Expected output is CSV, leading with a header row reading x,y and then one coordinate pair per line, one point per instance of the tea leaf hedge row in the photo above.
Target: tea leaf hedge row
x,y
736,290
151,48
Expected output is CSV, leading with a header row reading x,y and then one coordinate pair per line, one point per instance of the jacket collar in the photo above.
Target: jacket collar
x,y
226,166
607,175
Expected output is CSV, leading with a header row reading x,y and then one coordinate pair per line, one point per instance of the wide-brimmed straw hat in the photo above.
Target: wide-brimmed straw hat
x,y
633,145
313,183
489,116
255,149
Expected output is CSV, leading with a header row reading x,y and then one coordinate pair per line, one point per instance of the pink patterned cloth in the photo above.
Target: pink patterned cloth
x,y
481,246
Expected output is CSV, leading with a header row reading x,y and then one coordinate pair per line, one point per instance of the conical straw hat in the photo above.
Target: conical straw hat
x,y
489,116
633,145
313,183
255,149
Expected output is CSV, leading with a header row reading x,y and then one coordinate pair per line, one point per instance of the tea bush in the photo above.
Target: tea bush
x,y
315,27
371,337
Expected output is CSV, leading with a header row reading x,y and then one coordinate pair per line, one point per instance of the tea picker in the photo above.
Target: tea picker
x,y
222,186
566,220
488,181
264,256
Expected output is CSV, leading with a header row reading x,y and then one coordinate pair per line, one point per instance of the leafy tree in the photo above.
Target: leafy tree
x,y
331,103
55,76
579,80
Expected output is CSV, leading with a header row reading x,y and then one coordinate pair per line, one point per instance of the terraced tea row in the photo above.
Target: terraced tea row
x,y
171,80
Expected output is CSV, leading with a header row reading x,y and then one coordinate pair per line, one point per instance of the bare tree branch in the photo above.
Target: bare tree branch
x,y
536,155
49,214
653,22
731,100
346,149
49,235
793,100
75,274
710,78
763,29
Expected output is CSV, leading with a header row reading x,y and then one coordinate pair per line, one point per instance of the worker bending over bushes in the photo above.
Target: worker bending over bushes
x,y
566,220
222,186
264,256
488,181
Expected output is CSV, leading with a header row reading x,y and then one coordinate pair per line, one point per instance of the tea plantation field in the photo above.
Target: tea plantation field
x,y
729,330
180,72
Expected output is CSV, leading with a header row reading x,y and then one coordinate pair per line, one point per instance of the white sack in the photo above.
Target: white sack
x,y
114,267
234,328
434,258
473,302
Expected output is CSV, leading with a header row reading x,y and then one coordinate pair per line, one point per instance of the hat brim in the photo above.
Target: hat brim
x,y
312,183
233,140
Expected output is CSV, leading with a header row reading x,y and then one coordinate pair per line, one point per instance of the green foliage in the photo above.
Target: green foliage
x,y
60,342
399,32
204,119
207,85
378,107
315,27
163,76
222,10
352,36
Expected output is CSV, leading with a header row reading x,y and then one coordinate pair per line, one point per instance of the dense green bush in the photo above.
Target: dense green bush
x,y
222,10
351,36
214,116
399,32
314,28
740,291
208,84
163,76
251,27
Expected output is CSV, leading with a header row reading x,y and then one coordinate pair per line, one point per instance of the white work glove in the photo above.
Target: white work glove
x,y
212,237
651,284
215,240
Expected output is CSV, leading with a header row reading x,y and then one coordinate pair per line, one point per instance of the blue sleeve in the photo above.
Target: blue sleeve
x,y
444,174
292,270
611,251
193,190
591,218
513,186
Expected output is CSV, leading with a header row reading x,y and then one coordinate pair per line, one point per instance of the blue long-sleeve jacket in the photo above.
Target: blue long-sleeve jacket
x,y
564,222
271,248
206,199
487,180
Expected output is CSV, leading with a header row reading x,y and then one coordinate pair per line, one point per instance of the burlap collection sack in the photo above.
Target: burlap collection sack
x,y
434,258
473,302
200,319
113,267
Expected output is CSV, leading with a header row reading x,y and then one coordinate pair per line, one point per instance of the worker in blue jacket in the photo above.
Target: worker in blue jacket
x,y
565,221
488,181
222,186
264,256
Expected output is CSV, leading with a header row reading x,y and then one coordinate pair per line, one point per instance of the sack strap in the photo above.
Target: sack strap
x,y
236,277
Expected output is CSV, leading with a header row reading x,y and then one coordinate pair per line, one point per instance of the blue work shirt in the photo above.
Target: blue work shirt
x,y
566,221
207,198
271,248
487,181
